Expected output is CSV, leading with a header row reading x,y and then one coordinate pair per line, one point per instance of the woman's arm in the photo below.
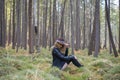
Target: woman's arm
x,y
59,55
66,52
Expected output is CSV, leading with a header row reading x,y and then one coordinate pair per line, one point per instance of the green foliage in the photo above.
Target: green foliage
x,y
113,74
19,66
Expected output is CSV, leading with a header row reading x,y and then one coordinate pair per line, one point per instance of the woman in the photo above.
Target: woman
x,y
61,60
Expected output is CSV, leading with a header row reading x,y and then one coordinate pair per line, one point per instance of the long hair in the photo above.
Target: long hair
x,y
61,47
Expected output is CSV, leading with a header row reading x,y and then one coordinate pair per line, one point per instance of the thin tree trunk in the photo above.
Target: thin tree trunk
x,y
54,22
78,29
61,27
45,2
109,28
24,23
31,44
84,28
91,43
14,28
72,27
49,27
97,27
110,45
90,26
10,24
18,12
2,24
91,46
38,31
105,41
119,28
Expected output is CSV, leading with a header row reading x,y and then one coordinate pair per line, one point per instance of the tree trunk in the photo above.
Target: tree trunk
x,y
91,46
49,27
54,22
72,27
61,27
84,27
97,27
2,24
45,2
14,28
110,45
24,23
109,28
105,41
119,28
38,29
10,28
18,12
78,29
31,30
92,40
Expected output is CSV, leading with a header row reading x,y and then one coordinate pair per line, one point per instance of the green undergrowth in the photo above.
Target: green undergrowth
x,y
37,66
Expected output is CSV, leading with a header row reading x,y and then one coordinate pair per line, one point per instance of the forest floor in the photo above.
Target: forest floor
x,y
23,66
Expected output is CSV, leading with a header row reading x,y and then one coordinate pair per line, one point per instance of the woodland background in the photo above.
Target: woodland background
x,y
29,28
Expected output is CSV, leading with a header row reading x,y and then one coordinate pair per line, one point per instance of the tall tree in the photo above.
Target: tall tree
x,y
14,29
24,23
91,46
72,27
61,27
54,30
9,27
50,27
38,29
119,28
78,29
110,45
105,41
84,28
18,32
31,29
2,24
45,2
97,27
109,28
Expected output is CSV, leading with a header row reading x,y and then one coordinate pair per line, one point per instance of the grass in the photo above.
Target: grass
x,y
23,66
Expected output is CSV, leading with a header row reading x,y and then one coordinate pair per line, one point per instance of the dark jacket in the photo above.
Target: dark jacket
x,y
59,59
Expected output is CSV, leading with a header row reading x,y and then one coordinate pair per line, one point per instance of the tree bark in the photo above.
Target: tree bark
x,y
18,12
97,27
119,28
78,29
10,27
54,33
109,28
84,28
72,27
38,28
24,23
31,30
50,27
105,41
14,28
45,2
61,27
2,24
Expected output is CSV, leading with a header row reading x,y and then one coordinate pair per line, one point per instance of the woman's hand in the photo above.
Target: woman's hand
x,y
67,45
